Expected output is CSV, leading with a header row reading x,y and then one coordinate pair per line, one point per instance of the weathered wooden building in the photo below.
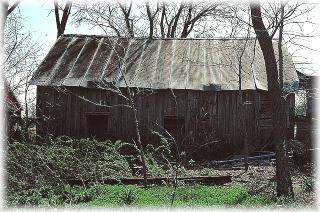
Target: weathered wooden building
x,y
190,87
305,127
308,84
13,111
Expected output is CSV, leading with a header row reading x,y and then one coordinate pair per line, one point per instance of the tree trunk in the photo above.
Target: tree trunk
x,y
176,19
284,184
162,21
126,15
61,25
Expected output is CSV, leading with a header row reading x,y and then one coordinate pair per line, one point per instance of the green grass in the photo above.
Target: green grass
x,y
256,201
118,195
154,196
131,195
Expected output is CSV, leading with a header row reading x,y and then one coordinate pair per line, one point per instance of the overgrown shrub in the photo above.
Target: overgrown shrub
x,y
157,157
31,166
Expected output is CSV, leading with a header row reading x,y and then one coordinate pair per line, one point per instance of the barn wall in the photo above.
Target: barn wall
x,y
213,121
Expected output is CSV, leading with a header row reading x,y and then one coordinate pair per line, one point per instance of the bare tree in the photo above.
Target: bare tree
x,y
284,183
126,11
162,19
280,44
172,27
61,24
22,52
194,14
22,56
6,10
103,16
9,8
151,16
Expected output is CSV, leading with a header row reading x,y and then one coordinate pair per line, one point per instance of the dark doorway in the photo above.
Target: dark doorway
x,y
97,123
175,126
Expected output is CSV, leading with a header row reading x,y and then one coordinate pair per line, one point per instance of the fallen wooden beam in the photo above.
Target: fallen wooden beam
x,y
205,180
253,159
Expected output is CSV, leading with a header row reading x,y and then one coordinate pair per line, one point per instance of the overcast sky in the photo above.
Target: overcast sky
x,y
39,18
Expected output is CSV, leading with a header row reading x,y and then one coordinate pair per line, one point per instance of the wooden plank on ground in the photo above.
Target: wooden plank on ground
x,y
206,180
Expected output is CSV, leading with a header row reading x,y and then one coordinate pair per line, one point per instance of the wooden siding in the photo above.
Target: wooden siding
x,y
209,116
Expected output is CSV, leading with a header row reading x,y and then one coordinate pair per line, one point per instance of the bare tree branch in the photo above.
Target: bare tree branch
x,y
10,10
61,24
126,13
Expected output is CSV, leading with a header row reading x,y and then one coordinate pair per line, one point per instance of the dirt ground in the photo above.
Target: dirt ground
x,y
260,180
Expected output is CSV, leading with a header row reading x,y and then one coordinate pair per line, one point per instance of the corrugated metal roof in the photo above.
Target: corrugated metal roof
x,y
199,64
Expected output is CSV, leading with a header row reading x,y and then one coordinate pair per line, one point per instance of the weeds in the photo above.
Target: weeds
x,y
308,184
128,196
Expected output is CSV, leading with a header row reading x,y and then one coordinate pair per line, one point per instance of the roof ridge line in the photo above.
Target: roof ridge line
x,y
158,38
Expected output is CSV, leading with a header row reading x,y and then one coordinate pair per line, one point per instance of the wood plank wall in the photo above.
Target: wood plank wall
x,y
213,120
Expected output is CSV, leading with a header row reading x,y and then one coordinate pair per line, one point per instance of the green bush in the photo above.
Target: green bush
x,y
43,195
31,166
